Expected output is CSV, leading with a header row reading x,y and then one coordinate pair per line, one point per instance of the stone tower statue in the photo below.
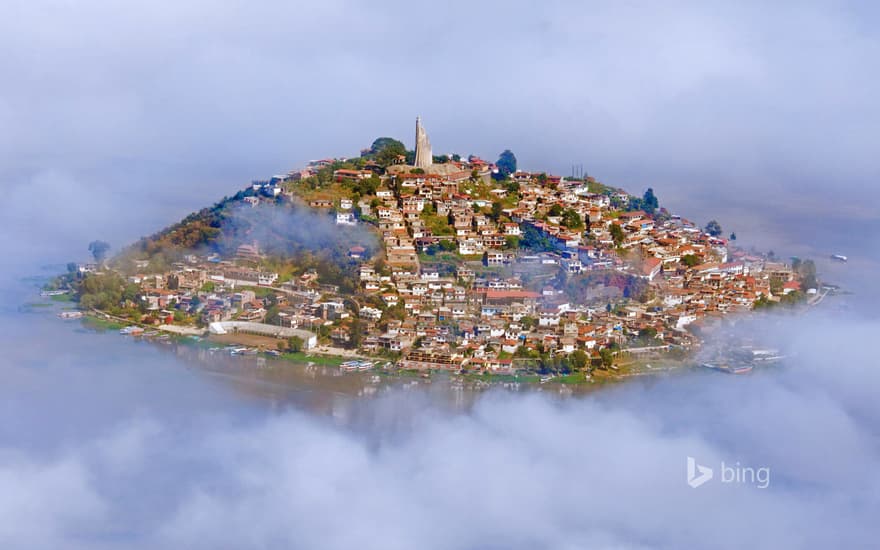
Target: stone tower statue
x,y
424,158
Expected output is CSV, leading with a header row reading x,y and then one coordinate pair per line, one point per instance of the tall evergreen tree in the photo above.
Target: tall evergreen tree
x,y
506,163
650,202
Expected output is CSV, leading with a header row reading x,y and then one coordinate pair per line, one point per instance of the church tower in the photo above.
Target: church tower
x,y
424,158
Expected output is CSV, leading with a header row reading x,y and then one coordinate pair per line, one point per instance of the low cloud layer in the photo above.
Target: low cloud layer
x,y
140,464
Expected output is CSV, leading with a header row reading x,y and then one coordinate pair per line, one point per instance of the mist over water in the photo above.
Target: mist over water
x,y
122,121
117,444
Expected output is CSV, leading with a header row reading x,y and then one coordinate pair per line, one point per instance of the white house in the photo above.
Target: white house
x,y
345,218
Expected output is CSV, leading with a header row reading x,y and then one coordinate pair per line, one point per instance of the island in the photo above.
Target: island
x,y
406,260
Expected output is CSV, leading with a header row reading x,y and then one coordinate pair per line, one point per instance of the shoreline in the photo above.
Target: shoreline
x,y
326,356
594,379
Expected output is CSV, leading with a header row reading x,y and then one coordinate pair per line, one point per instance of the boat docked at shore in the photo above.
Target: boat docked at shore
x,y
66,315
728,369
356,365
50,293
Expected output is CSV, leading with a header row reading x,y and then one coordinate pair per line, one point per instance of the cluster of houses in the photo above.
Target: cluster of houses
x,y
481,315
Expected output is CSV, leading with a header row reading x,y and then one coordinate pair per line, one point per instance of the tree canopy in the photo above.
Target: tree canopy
x,y
650,202
617,234
571,219
535,240
386,150
506,163
383,142
713,228
99,250
497,208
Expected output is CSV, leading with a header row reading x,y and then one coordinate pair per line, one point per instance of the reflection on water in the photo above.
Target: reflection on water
x,y
320,389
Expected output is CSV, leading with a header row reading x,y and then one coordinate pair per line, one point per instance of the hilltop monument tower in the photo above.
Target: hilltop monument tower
x,y
424,158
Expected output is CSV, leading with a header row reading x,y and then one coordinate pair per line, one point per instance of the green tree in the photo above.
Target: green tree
x,y
99,250
555,210
578,359
650,202
572,220
607,357
272,317
356,333
806,270
617,234
713,228
535,240
369,185
690,260
506,164
497,207
295,344
448,245
386,150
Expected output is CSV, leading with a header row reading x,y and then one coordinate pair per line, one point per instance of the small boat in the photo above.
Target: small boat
x,y
66,315
49,293
131,331
273,352
739,369
839,257
728,369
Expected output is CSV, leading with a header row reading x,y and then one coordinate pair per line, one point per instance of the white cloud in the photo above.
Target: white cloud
x,y
518,471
